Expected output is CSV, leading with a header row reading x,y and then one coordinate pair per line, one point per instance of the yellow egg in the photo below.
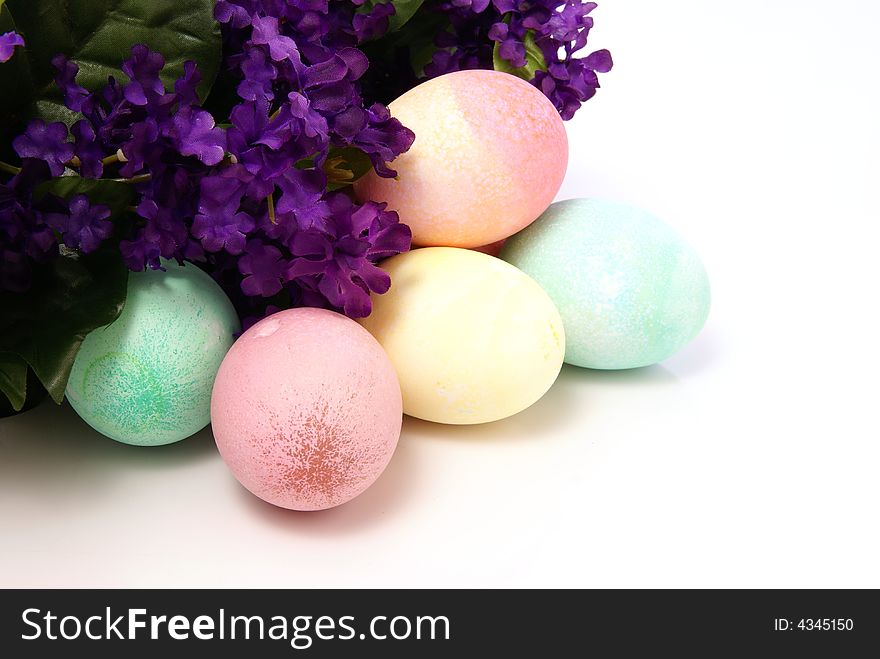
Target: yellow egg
x,y
473,339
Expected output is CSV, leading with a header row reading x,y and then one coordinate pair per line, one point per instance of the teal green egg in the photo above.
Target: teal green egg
x,y
146,378
630,290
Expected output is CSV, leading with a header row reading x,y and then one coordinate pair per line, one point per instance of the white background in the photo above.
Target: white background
x,y
749,459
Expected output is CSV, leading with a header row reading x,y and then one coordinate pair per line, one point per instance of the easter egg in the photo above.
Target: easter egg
x,y
473,339
630,290
489,156
306,409
146,378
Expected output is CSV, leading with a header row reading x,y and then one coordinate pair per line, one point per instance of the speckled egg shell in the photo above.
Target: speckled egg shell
x,y
146,378
630,290
489,156
473,339
306,409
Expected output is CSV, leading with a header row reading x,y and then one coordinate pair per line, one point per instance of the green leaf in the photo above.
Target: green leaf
x,y
390,73
99,34
35,394
419,38
345,165
116,195
420,56
69,298
13,379
534,59
403,11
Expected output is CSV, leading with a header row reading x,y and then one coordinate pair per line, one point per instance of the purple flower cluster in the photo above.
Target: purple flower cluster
x,y
26,237
159,142
272,41
255,191
559,28
298,72
30,224
248,200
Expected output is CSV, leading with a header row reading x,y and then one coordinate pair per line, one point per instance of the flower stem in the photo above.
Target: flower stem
x,y
109,160
271,202
140,178
6,167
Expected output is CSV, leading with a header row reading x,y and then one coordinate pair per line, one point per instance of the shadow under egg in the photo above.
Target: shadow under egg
x,y
653,375
553,410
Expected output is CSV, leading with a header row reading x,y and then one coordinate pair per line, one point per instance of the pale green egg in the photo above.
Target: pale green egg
x,y
630,290
146,378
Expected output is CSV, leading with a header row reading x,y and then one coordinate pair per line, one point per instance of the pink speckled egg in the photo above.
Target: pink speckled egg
x,y
306,409
489,156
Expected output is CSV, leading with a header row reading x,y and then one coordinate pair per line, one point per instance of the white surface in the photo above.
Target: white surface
x,y
749,459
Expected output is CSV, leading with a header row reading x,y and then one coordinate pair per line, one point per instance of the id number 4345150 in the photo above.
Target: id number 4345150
x,y
813,624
